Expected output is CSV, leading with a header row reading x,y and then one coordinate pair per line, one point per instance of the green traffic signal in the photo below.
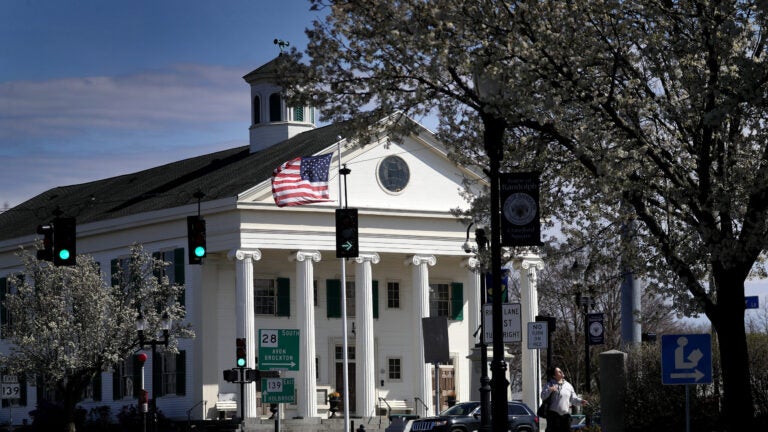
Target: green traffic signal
x,y
241,362
200,252
64,254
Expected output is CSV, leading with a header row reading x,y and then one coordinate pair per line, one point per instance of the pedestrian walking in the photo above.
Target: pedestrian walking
x,y
563,396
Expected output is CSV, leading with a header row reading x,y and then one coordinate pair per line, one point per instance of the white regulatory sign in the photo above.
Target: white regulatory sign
x,y
511,323
537,335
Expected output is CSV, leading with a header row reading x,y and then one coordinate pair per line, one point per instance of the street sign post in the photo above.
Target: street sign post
x,y
511,323
278,390
538,335
278,349
686,359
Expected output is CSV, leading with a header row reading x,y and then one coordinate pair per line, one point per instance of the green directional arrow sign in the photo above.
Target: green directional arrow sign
x,y
278,349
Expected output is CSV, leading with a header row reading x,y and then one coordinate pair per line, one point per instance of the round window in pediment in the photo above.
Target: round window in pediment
x,y
394,174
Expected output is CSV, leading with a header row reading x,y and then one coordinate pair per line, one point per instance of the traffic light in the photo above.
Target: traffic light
x,y
241,352
231,375
196,239
64,241
347,245
46,253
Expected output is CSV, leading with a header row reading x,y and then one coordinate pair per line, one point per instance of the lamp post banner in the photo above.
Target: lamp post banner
x,y
519,198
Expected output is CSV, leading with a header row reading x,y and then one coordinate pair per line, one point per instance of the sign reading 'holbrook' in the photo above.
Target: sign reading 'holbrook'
x,y
278,349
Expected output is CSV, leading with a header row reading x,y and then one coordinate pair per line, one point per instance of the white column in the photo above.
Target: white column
x,y
364,348
529,299
471,388
422,372
244,316
305,315
473,318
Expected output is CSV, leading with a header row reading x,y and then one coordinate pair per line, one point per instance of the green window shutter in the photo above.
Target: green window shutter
x,y
113,272
283,297
333,297
3,310
375,299
116,394
457,301
157,375
181,373
97,387
178,272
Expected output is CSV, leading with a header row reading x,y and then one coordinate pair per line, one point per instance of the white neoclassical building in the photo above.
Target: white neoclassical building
x,y
276,268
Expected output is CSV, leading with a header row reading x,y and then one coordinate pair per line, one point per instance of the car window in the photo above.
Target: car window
x,y
516,410
462,409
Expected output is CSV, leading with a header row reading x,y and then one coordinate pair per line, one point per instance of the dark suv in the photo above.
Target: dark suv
x,y
465,417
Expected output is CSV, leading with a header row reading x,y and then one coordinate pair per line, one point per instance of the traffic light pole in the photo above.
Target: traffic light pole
x,y
241,374
344,171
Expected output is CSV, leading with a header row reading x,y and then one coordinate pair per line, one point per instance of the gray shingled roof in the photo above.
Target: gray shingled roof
x,y
218,175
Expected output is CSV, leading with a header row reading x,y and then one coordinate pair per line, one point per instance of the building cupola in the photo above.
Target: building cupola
x,y
271,120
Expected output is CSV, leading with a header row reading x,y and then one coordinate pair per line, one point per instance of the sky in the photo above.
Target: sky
x,y
91,89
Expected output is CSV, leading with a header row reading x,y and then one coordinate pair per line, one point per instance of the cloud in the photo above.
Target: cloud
x,y
73,130
185,97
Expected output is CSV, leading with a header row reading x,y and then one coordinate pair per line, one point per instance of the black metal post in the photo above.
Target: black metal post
x,y
586,347
485,381
242,393
493,138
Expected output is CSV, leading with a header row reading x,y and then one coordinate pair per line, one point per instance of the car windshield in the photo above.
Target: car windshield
x,y
462,409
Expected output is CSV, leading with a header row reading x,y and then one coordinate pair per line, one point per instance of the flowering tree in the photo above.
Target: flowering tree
x,y
649,109
67,324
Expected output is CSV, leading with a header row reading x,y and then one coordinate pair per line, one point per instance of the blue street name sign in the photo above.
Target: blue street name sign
x,y
686,359
752,302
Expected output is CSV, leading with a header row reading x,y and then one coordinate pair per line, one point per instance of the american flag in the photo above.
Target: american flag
x,y
300,181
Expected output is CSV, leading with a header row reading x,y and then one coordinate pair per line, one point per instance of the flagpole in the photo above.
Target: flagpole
x,y
345,343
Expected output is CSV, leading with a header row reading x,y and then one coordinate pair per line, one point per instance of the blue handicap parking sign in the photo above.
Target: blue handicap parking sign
x,y
686,359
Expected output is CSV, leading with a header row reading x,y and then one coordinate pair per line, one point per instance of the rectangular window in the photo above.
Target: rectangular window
x,y
394,369
272,297
175,269
93,390
393,295
5,316
446,300
339,352
126,385
264,297
169,373
439,300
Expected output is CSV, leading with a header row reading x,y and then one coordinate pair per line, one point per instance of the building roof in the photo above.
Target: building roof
x,y
217,175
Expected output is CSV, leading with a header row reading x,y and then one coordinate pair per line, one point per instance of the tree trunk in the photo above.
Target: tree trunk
x,y
738,407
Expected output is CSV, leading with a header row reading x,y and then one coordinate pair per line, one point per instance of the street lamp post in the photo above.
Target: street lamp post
x,y
586,302
493,136
488,87
141,326
485,381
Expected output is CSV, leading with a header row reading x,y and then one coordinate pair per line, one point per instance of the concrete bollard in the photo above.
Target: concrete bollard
x,y
613,377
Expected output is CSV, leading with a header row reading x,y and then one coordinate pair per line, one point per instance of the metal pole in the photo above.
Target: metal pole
x,y
586,347
485,381
344,171
241,375
493,136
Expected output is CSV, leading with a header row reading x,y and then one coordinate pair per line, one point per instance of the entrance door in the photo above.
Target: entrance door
x,y
447,386
339,358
